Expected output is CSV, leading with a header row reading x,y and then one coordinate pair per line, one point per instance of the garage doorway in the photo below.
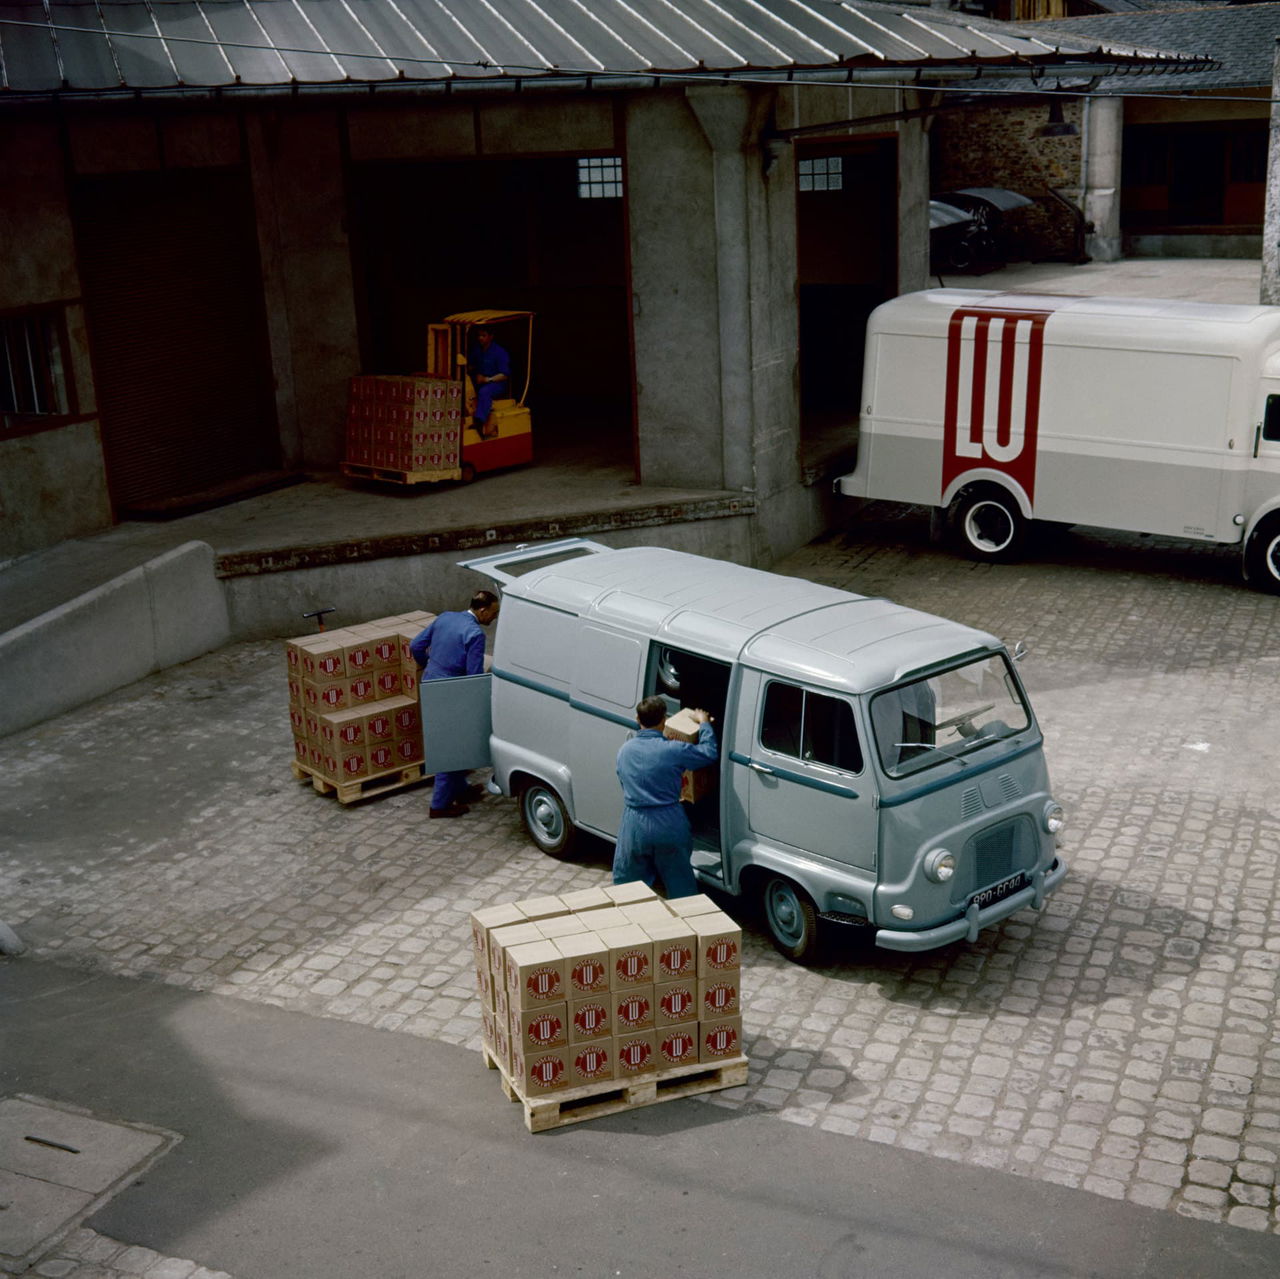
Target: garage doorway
x,y
847,264
177,332
540,235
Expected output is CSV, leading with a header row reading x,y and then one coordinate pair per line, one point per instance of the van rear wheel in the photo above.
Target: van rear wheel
x,y
547,821
792,919
988,525
1262,556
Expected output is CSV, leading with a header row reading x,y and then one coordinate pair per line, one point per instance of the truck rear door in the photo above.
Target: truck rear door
x,y
456,723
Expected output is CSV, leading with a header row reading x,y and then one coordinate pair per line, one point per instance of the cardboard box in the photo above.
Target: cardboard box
x,y
720,1040
675,950
719,997
537,1028
484,921
621,894
406,719
698,904
591,1018
586,899
323,698
647,912
353,762
587,962
387,683
361,689
676,1002
379,723
382,757
535,975
499,937
345,728
408,750
630,956
562,926
323,659
502,1042
632,1009
634,1054
590,1063
543,1071
484,985
719,943
601,917
695,783
302,749
357,652
681,727
677,1045
541,907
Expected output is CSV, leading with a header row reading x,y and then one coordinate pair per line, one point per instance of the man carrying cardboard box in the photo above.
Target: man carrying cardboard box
x,y
654,838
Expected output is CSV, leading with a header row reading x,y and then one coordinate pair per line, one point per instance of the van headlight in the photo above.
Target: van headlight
x,y
940,865
1054,818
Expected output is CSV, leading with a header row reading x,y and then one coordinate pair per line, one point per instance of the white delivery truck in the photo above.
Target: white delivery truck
x,y
879,767
1127,413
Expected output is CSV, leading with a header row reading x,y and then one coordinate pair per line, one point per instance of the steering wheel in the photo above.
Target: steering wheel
x,y
959,721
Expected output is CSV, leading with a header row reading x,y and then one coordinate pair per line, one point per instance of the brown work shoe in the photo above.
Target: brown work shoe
x,y
454,810
474,793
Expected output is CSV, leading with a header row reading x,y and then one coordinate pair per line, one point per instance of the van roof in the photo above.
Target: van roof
x,y
781,625
1159,323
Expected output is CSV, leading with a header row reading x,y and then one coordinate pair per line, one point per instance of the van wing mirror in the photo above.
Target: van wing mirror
x,y
1020,650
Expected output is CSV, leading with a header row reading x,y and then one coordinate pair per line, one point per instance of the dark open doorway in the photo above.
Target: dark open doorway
x,y
541,235
847,253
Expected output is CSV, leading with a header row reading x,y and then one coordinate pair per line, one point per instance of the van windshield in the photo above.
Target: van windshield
x,y
928,721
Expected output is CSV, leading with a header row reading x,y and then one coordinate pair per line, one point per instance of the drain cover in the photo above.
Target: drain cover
x,y
57,1165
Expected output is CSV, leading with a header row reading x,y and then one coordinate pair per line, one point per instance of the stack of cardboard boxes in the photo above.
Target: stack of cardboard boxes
x,y
411,424
606,984
353,698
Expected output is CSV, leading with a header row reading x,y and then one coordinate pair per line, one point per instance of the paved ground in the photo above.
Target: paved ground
x,y
1122,1042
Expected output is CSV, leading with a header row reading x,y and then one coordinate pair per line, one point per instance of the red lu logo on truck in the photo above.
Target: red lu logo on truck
x,y
991,416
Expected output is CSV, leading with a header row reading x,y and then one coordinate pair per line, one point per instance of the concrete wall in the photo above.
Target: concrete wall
x,y
271,605
168,611
52,482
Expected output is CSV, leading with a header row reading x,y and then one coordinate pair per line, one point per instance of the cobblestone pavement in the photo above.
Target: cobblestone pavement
x,y
1122,1041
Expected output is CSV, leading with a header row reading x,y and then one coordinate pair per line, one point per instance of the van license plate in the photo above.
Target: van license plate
x,y
997,892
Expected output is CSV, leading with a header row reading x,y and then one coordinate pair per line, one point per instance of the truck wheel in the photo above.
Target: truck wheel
x,y
989,525
792,920
1262,556
547,821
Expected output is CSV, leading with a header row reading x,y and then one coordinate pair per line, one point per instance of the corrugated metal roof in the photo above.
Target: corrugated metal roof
x,y
95,46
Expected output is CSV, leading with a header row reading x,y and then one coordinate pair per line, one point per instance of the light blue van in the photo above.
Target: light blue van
x,y
880,768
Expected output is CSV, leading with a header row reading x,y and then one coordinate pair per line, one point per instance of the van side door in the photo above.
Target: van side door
x,y
1264,468
603,695
799,756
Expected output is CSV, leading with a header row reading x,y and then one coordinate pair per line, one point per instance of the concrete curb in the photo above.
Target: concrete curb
x,y
169,610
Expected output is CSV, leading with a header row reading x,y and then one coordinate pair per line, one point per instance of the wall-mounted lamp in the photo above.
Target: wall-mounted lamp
x,y
1057,126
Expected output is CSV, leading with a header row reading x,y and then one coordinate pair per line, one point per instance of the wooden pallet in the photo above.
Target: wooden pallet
x,y
574,1105
389,475
364,787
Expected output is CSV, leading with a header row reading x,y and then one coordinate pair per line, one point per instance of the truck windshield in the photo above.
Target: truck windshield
x,y
928,721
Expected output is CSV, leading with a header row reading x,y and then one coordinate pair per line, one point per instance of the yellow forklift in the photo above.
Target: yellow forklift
x,y
462,346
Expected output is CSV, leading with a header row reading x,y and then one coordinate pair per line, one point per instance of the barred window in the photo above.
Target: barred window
x,y
33,377
600,178
823,173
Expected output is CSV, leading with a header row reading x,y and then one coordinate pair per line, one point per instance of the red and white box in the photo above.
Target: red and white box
x,y
630,955
633,1009
720,1040
591,1018
675,949
676,1002
676,1045
590,1063
718,997
543,1071
634,1054
535,975
538,1028
719,944
587,958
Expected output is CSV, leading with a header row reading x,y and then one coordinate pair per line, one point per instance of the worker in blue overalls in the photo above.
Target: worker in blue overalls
x,y
654,838
490,369
450,646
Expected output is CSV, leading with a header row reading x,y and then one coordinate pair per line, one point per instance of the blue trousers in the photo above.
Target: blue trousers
x,y
653,844
448,788
485,396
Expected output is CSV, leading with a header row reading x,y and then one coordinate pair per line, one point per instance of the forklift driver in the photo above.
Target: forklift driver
x,y
490,368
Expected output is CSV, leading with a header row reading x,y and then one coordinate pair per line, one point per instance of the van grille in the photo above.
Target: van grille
x,y
994,854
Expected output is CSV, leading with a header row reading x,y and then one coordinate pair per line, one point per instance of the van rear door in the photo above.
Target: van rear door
x,y
456,723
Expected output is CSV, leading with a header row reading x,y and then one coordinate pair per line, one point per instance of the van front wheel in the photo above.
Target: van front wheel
x,y
547,821
989,525
792,919
1262,556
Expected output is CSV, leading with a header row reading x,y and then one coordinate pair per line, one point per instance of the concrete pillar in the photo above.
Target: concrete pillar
x,y
1269,294
1101,153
